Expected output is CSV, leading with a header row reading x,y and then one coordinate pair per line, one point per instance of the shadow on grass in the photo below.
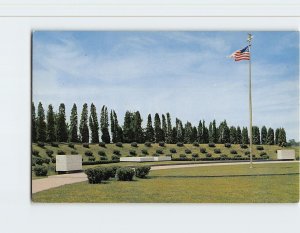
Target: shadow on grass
x,y
216,176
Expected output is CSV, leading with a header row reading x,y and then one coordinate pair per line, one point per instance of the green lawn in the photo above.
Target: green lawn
x,y
265,183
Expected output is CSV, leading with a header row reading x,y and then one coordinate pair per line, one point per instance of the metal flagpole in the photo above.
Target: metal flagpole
x,y
250,97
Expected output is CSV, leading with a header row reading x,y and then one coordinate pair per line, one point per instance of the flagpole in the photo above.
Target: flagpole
x,y
250,97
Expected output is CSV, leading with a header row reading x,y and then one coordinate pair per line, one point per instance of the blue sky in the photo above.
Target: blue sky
x,y
184,73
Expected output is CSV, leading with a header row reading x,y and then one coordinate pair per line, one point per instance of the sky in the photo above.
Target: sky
x,y
185,73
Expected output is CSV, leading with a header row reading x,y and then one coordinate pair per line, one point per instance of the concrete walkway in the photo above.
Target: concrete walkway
x,y
60,180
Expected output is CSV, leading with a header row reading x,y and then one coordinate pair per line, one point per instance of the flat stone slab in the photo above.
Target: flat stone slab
x,y
163,158
145,159
65,163
286,154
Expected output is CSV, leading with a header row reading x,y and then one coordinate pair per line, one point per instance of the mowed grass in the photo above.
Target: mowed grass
x,y
126,148
265,183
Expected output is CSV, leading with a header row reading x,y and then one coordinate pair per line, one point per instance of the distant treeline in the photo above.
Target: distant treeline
x,y
52,127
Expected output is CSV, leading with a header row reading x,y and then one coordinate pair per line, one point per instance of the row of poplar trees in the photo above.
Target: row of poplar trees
x,y
53,127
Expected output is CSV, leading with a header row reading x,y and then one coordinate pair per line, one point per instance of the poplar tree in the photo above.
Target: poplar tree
x,y
174,135
51,134
164,127
188,130
239,135
270,137
245,137
118,128
179,129
33,124
276,136
157,128
113,128
214,132
41,124
281,137
233,135
62,130
128,133
104,125
137,128
94,125
149,130
83,127
200,132
73,135
255,135
264,135
169,129
205,133
194,135
210,132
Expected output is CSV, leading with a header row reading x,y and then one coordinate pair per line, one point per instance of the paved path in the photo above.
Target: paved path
x,y
59,180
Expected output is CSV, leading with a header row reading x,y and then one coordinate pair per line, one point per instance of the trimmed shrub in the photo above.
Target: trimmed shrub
x,y
233,152
102,158
211,144
40,170
96,175
142,171
259,148
53,160
41,144
159,151
92,158
182,159
112,171
102,144
223,157
38,160
132,152
179,144
134,144
124,174
217,151
71,145
49,152
262,153
36,153
196,144
195,155
162,144
265,157
119,144
115,158
61,152
116,152
173,150
148,144
187,151
74,152
203,150
182,156
144,152
155,154
88,153
247,153
208,155
237,157
54,144
243,146
228,145
101,153
86,145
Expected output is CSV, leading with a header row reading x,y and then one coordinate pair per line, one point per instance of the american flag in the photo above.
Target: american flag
x,y
242,54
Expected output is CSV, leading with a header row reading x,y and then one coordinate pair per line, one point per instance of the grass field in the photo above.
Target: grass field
x,y
265,183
